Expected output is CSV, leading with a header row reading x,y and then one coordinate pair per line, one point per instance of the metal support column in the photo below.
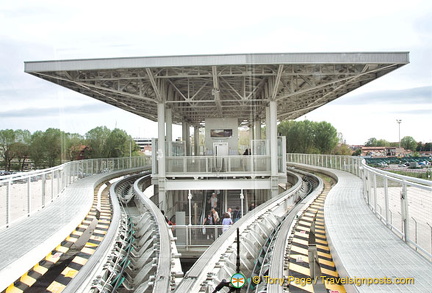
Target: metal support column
x,y
168,125
161,155
196,140
190,207
268,126
186,136
257,129
273,149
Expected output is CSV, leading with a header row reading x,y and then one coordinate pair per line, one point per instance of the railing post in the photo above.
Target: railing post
x,y
367,186
386,201
404,211
28,196
43,189
52,174
8,203
431,235
375,192
58,182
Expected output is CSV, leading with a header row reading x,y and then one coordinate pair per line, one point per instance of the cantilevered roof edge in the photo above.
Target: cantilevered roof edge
x,y
218,60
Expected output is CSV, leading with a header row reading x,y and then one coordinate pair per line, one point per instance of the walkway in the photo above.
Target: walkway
x,y
27,242
361,245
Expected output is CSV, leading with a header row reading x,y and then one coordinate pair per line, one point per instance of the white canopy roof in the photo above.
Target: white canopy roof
x,y
212,86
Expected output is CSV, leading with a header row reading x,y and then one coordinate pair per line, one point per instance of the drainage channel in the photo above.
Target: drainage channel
x,y
56,270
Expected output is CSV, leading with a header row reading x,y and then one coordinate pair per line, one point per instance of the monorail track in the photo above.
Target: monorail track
x,y
58,268
296,249
302,245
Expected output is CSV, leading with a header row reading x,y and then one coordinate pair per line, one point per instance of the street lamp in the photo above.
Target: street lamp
x,y
399,121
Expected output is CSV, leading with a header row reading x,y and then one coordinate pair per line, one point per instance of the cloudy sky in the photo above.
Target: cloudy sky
x,y
55,30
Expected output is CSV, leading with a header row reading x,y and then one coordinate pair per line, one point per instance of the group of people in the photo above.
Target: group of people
x,y
212,218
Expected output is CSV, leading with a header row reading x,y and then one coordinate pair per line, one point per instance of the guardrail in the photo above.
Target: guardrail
x,y
25,193
142,255
184,165
167,260
402,203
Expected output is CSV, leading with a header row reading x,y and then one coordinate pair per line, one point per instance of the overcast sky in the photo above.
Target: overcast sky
x,y
56,30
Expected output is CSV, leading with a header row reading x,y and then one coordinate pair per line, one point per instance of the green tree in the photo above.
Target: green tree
x,y
325,137
7,139
342,150
382,143
120,144
96,140
21,151
309,137
54,146
357,152
299,136
75,146
371,142
22,146
408,143
37,149
47,148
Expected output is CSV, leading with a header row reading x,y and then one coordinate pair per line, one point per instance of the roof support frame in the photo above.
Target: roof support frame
x,y
242,84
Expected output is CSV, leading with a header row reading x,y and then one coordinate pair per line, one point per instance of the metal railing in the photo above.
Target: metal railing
x,y
402,203
184,165
25,193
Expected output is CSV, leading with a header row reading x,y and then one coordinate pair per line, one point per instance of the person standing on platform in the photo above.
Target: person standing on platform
x,y
216,219
226,222
229,212
209,221
236,214
213,201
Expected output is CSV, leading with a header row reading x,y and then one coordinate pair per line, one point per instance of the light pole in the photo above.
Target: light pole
x,y
399,121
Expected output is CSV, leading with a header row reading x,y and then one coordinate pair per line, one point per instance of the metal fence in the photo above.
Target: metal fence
x,y
25,193
402,203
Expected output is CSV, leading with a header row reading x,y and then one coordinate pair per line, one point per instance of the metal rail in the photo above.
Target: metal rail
x,y
275,265
140,254
95,263
38,188
402,203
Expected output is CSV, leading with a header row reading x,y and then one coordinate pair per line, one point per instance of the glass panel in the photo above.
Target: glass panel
x,y
259,147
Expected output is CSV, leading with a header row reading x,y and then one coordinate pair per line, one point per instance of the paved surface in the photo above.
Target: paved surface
x,y
363,247
27,242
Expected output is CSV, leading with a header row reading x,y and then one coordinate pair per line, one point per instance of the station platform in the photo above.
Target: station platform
x,y
363,247
27,242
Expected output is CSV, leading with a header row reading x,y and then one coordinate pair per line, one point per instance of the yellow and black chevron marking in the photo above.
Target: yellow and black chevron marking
x,y
299,256
103,217
325,260
89,248
299,266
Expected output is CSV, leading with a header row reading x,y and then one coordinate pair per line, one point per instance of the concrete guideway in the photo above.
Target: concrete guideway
x,y
363,248
26,243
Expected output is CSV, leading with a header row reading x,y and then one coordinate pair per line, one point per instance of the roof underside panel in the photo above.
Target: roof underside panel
x,y
221,88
